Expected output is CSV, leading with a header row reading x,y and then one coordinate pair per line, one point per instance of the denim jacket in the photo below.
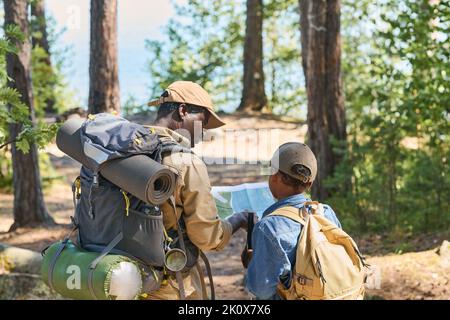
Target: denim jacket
x,y
274,241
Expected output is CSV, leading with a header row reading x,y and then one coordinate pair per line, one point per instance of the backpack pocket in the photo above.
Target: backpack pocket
x,y
144,237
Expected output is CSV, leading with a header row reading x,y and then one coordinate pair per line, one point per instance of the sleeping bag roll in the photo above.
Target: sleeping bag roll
x,y
139,175
115,277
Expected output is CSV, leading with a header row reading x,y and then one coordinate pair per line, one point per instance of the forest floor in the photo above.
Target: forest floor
x,y
402,267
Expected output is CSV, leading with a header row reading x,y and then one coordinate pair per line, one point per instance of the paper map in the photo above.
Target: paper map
x,y
254,197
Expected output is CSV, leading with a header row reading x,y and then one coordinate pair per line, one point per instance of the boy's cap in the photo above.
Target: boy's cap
x,y
295,153
190,93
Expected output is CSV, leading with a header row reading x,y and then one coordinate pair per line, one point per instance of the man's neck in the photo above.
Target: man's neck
x,y
164,122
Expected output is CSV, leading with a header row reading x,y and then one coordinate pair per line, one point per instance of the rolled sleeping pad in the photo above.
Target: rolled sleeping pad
x,y
139,175
115,277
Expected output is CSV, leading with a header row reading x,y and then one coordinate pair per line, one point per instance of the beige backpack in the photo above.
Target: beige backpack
x,y
328,262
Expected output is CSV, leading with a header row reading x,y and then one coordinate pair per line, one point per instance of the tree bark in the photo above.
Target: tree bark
x,y
40,39
104,94
254,95
29,207
321,58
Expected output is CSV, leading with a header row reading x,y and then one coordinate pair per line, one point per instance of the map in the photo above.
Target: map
x,y
254,197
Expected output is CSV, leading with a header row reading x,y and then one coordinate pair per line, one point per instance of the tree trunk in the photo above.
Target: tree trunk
x,y
321,55
104,95
253,95
13,259
40,39
29,206
40,26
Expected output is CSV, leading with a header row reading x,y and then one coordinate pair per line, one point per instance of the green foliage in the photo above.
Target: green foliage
x,y
284,79
132,106
204,44
394,176
49,82
396,68
13,110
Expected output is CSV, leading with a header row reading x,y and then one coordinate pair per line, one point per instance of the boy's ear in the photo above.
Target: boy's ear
x,y
277,176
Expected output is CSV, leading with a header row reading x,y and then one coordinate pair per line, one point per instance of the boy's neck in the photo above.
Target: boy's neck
x,y
289,195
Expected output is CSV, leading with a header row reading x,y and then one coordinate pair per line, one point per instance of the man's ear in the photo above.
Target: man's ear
x,y
308,186
182,111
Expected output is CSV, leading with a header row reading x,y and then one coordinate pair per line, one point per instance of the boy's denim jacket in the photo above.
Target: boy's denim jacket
x,y
274,242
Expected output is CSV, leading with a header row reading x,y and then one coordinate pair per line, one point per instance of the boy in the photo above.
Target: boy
x,y
274,238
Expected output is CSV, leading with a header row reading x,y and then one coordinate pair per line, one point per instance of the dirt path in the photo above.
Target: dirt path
x,y
419,275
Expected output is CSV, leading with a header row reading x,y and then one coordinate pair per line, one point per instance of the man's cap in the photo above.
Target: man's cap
x,y
190,93
290,155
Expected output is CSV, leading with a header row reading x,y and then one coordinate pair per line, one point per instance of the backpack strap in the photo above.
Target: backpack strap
x,y
210,277
95,262
316,207
291,213
182,247
60,249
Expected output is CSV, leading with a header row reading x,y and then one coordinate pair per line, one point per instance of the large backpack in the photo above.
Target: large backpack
x,y
108,218
328,263
112,220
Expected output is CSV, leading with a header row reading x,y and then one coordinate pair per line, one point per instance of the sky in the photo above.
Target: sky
x,y
138,20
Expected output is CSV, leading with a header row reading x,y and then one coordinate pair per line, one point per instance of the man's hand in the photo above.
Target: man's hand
x,y
240,220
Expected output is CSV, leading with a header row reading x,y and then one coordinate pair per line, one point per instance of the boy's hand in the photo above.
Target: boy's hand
x,y
248,215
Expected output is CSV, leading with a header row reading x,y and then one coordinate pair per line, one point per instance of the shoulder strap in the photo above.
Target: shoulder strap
x,y
291,213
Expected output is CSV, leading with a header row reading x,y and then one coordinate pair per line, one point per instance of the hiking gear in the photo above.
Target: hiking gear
x,y
328,262
190,93
175,260
122,152
74,275
111,219
293,158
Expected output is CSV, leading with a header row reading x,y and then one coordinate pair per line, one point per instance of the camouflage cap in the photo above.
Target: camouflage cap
x,y
289,156
190,93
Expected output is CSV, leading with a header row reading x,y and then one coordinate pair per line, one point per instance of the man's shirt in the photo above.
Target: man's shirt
x,y
193,198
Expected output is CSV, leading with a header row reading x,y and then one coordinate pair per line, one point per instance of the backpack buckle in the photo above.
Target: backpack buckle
x,y
304,281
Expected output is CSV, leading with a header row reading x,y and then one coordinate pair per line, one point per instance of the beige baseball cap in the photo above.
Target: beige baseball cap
x,y
295,153
190,93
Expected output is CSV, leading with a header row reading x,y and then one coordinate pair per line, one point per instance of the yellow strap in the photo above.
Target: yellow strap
x,y
289,212
127,203
77,187
165,280
91,117
169,239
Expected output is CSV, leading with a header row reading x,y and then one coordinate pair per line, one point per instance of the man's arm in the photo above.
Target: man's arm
x,y
203,225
